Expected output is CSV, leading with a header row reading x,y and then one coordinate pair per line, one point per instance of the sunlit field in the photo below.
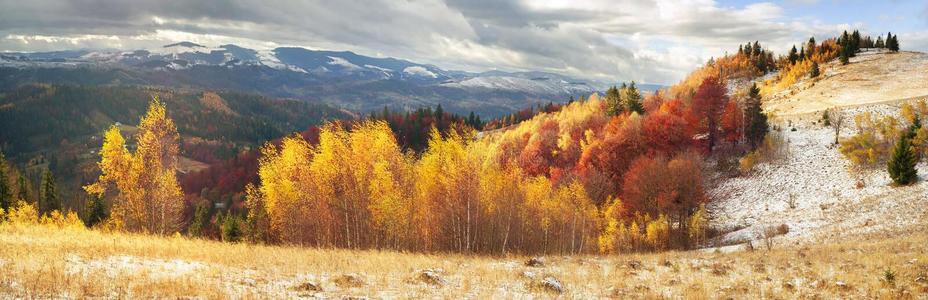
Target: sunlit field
x,y
45,261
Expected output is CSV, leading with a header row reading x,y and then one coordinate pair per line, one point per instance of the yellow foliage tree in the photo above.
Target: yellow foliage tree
x,y
657,233
147,196
447,193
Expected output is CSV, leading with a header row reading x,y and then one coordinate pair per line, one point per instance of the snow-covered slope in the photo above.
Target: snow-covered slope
x,y
812,189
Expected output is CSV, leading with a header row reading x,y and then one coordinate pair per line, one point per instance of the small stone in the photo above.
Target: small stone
x,y
432,277
551,284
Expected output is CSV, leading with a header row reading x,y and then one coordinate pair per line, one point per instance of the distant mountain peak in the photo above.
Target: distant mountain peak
x,y
185,44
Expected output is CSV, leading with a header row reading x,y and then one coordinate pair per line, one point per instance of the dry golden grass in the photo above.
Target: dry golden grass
x,y
41,261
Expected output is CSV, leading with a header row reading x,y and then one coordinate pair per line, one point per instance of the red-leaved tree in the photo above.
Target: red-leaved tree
x,y
708,105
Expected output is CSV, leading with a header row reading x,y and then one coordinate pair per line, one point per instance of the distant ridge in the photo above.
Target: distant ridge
x,y
185,44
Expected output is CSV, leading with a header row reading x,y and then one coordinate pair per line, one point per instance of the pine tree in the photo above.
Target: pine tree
x,y
231,230
200,219
6,192
901,165
632,99
94,211
811,46
439,112
843,56
756,120
879,42
792,55
815,71
48,194
855,41
23,194
613,101
892,43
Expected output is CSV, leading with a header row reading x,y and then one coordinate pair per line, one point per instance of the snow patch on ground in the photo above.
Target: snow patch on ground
x,y
114,266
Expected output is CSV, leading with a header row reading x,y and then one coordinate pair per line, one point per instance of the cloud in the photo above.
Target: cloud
x,y
656,41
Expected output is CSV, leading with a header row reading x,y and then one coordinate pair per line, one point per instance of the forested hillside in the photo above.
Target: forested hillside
x,y
59,127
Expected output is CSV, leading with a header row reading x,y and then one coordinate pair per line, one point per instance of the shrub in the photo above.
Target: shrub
x,y
68,220
231,229
23,213
747,163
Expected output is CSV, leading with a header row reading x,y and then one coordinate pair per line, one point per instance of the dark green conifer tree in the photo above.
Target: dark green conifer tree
x,y
48,200
755,119
901,165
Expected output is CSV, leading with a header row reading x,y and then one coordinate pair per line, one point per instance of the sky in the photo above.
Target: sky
x,y
650,41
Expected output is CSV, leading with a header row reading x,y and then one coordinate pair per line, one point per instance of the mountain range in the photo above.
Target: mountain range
x,y
343,78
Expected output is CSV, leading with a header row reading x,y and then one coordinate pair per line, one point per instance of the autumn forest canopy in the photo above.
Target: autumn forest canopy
x,y
621,171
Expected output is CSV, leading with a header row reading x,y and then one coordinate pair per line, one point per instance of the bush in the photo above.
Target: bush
x,y
23,213
68,220
231,229
747,163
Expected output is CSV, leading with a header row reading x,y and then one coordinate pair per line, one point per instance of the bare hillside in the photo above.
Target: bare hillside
x,y
871,77
811,189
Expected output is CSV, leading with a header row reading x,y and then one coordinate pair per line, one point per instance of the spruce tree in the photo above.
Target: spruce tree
x,y
48,200
901,165
815,71
633,99
755,119
879,42
792,55
6,191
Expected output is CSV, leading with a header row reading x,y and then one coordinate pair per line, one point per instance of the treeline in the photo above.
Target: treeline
x,y
522,115
412,128
581,179
851,44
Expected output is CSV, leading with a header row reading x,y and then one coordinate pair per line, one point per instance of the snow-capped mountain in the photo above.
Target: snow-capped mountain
x,y
340,77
